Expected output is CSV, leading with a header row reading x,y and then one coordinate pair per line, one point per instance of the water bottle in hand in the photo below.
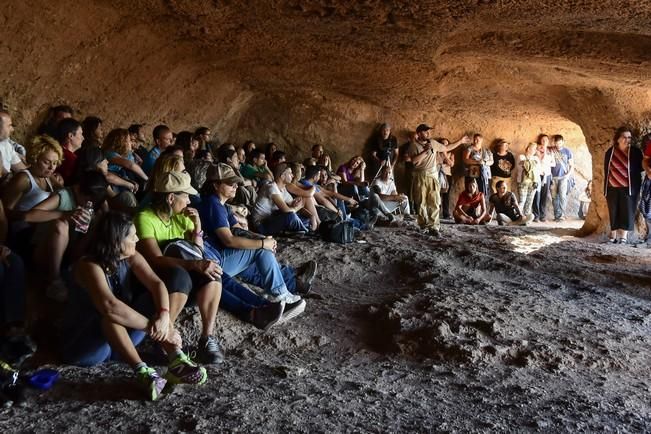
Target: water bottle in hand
x,y
85,218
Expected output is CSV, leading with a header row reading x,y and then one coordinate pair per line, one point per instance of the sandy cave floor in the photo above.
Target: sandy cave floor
x,y
492,328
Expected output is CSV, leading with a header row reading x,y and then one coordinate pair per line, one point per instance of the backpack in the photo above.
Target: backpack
x,y
184,249
341,232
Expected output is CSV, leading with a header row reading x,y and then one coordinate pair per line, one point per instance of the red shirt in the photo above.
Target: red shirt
x,y
647,148
67,168
466,199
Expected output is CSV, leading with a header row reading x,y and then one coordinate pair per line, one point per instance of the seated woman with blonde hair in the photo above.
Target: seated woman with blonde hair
x,y
31,186
118,147
353,178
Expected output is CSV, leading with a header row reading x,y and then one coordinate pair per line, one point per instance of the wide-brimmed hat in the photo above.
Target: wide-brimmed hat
x,y
221,172
174,182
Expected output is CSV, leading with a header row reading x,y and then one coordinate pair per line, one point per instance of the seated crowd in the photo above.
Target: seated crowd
x,y
127,234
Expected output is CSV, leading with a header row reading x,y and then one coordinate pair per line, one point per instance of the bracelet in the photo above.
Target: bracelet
x,y
163,309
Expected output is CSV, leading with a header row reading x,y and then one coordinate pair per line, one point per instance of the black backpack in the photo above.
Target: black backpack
x,y
341,232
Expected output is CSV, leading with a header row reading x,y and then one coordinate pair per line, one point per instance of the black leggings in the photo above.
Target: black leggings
x,y
178,279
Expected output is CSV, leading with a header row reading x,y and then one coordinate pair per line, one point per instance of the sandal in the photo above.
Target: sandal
x,y
612,240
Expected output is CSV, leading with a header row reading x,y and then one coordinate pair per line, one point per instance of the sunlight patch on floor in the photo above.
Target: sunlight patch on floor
x,y
531,243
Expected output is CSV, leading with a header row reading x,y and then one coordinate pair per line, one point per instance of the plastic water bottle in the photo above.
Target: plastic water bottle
x,y
83,224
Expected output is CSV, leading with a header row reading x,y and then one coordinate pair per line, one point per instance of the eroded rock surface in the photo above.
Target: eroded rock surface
x,y
499,329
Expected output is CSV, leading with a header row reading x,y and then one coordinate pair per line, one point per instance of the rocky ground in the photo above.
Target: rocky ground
x,y
491,329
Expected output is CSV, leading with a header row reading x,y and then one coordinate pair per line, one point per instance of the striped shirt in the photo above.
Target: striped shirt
x,y
618,174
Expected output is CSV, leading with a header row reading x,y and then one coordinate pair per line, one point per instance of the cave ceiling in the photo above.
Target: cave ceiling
x,y
399,52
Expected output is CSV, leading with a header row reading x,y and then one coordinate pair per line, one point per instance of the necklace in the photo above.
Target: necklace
x,y
41,182
167,223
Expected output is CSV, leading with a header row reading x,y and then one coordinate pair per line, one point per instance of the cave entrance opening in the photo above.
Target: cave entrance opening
x,y
575,212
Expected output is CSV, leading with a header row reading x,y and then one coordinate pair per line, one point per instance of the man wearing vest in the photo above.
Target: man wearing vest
x,y
422,153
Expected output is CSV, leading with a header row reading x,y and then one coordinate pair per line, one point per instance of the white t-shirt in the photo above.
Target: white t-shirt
x,y
387,188
264,205
547,163
8,156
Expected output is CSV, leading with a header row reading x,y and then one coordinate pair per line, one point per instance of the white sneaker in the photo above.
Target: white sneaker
x,y
57,291
292,311
287,297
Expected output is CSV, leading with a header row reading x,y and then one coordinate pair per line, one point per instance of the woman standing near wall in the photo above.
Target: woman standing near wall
x,y
622,180
528,175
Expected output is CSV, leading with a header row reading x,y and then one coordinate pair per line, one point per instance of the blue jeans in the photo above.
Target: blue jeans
x,y
282,222
270,277
238,299
559,195
12,290
252,276
89,347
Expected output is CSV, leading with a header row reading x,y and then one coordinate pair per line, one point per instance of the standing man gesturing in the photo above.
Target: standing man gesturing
x,y
422,153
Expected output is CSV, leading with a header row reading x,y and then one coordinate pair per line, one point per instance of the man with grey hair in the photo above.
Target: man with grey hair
x,y
386,147
9,159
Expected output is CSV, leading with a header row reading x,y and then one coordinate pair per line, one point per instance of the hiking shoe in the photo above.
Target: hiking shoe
x,y
435,233
151,382
209,352
8,375
182,370
306,277
287,298
265,317
16,349
292,311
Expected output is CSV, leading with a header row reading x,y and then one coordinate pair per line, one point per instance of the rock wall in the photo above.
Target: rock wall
x,y
104,63
329,72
